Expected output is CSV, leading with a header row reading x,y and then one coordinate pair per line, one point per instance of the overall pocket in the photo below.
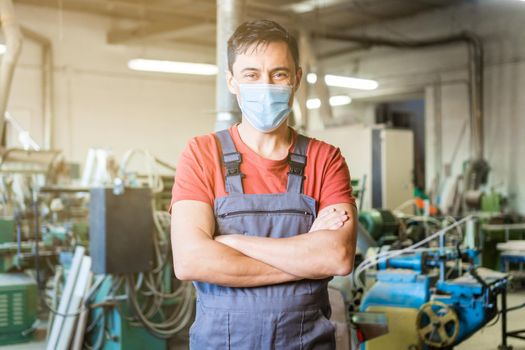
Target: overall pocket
x,y
318,331
210,330
244,331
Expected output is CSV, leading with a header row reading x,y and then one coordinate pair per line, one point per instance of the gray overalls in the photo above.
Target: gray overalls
x,y
291,315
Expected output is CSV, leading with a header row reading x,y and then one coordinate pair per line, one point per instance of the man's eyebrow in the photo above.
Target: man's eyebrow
x,y
281,68
249,69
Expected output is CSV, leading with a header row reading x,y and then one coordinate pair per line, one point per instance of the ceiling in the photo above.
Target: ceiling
x,y
193,21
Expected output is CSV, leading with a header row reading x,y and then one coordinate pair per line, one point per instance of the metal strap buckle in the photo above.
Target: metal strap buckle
x,y
297,163
232,162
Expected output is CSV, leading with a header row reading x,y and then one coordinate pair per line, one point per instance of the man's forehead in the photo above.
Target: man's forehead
x,y
274,53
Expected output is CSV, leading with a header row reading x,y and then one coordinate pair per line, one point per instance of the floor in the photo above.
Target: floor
x,y
487,339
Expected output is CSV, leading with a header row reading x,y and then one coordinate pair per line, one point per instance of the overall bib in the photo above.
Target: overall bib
x,y
290,315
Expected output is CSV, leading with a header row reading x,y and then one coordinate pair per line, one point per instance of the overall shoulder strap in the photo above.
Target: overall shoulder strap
x,y
297,163
231,160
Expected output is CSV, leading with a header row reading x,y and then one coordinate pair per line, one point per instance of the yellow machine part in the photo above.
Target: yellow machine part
x,y
402,334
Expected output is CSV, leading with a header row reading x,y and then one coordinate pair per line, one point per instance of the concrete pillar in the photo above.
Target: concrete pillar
x,y
311,64
229,16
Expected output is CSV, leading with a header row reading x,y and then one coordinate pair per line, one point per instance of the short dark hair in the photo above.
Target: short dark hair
x,y
260,32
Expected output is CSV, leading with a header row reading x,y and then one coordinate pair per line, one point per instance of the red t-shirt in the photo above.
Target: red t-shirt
x,y
200,172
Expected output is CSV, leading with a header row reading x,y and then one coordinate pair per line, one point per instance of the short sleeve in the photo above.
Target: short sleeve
x,y
336,187
190,177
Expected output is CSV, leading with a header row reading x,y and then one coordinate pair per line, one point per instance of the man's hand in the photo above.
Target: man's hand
x,y
330,219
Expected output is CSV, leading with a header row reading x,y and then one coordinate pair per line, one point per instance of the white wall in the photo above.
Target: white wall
x,y
99,101
439,75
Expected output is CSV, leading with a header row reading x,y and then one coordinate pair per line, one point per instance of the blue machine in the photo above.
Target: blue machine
x,y
412,290
407,289
415,262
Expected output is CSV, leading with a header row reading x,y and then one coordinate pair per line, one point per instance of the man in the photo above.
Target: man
x,y
262,217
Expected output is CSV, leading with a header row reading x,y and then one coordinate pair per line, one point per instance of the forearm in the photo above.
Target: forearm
x,y
220,264
315,255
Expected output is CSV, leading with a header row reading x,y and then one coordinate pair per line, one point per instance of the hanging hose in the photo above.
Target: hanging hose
x,y
169,326
148,294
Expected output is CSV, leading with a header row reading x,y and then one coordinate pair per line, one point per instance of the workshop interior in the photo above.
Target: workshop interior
x,y
424,98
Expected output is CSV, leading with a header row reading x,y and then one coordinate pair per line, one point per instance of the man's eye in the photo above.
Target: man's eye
x,y
280,75
249,75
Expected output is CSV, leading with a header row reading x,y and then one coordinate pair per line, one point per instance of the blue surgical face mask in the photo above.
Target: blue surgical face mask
x,y
265,106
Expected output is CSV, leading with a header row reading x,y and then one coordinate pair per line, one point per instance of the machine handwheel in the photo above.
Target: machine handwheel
x,y
437,324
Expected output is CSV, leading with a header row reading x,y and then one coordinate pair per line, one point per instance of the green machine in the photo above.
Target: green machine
x,y
382,225
18,307
7,230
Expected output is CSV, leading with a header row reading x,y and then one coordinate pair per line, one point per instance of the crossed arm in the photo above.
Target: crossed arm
x,y
242,261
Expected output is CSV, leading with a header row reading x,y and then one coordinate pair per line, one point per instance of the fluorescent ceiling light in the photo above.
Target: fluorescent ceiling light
x,y
160,66
315,103
3,49
310,5
345,82
311,78
340,100
348,82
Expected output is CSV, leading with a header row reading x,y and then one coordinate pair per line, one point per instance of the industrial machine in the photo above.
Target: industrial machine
x,y
382,225
433,295
25,261
18,307
119,291
425,312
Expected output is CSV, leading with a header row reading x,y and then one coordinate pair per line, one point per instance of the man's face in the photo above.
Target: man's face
x,y
271,64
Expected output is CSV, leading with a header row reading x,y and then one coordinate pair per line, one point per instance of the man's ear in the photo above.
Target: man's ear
x,y
298,77
234,89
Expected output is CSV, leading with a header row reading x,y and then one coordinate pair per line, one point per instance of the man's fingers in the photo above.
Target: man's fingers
x,y
331,219
338,220
327,212
331,214
337,216
336,226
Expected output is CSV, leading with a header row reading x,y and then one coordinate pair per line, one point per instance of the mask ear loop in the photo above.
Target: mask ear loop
x,y
236,84
292,85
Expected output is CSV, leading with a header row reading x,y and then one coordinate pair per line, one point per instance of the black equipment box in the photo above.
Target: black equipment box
x,y
121,231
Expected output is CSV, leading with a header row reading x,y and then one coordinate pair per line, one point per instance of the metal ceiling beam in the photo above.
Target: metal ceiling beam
x,y
71,6
125,10
194,42
168,30
191,30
